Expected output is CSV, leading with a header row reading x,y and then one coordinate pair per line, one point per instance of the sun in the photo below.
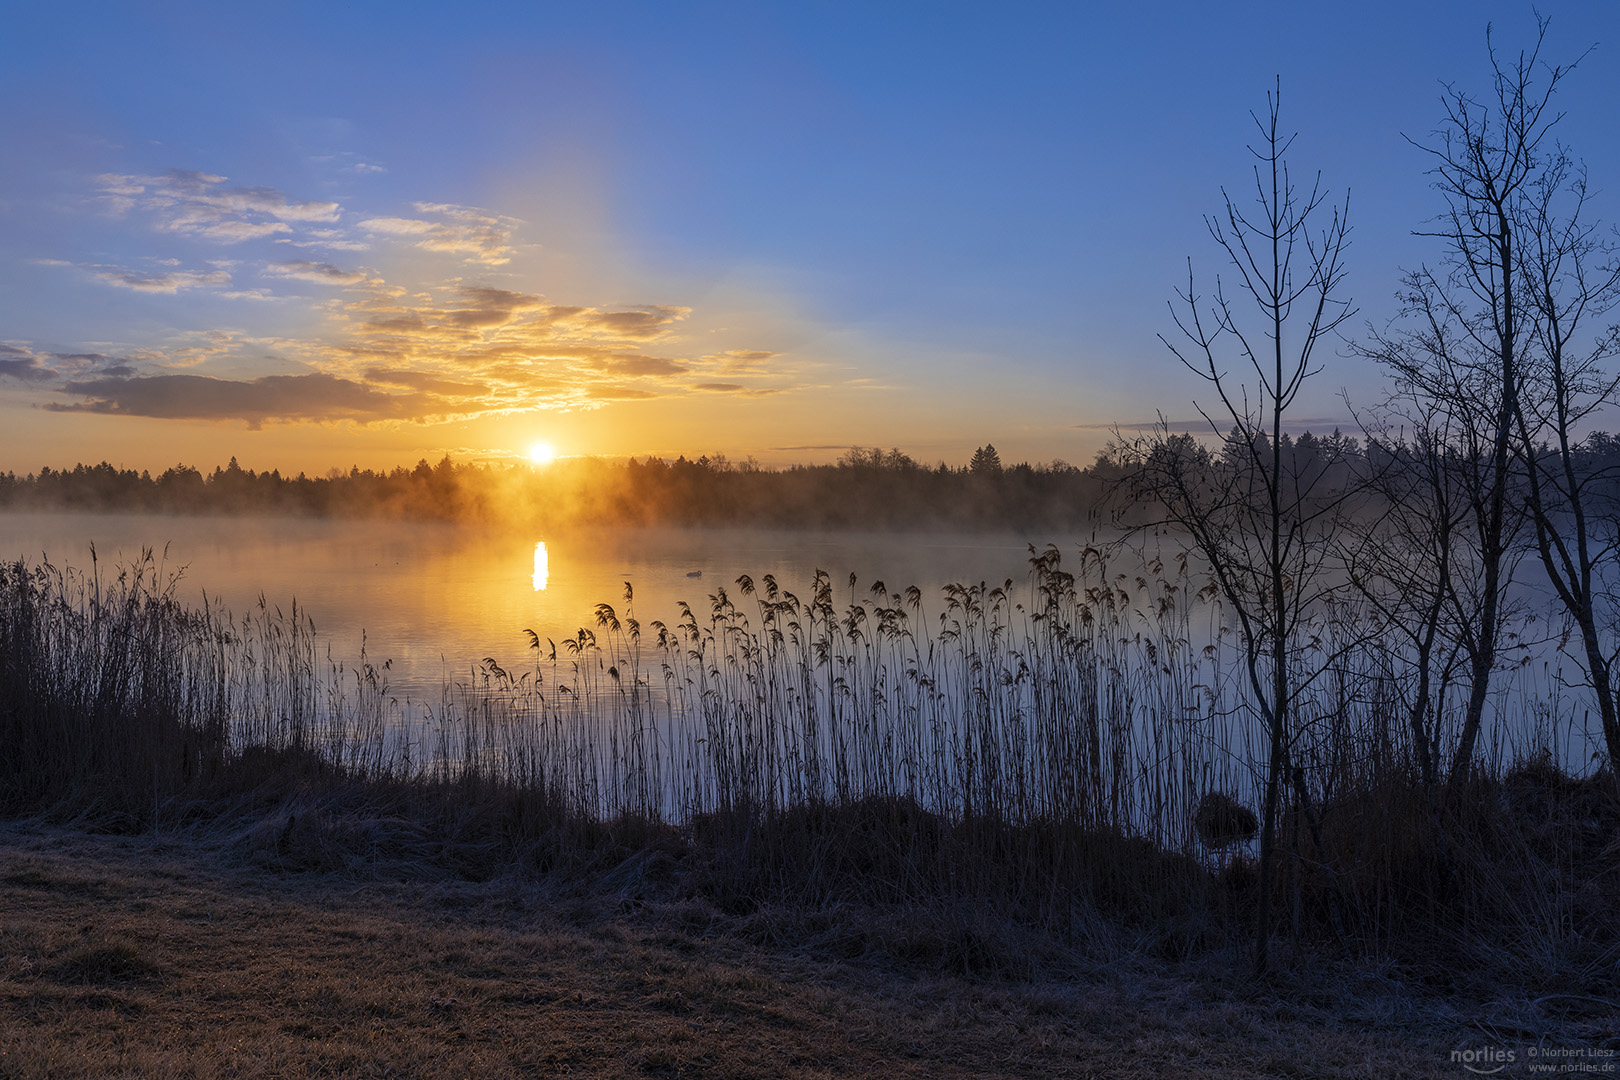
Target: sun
x,y
541,453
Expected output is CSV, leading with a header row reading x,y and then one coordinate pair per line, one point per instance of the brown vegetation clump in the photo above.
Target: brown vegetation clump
x,y
1221,821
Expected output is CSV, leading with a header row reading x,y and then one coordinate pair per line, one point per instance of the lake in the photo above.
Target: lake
x,y
437,599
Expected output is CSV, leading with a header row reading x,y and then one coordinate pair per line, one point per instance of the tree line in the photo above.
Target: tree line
x,y
865,488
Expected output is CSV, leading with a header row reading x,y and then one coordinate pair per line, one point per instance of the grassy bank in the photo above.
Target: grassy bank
x,y
184,954
1039,771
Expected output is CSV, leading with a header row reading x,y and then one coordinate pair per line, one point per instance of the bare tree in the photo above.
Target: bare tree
x,y
1487,157
1438,561
1259,514
1571,277
1407,558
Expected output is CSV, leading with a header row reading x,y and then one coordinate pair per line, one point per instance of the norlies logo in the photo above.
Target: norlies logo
x,y
1484,1061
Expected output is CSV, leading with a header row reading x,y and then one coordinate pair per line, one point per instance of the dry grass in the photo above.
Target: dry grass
x,y
167,957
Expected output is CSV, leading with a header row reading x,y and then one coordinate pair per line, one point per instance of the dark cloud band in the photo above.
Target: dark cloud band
x,y
272,397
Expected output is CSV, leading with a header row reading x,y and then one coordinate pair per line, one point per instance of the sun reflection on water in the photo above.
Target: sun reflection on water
x,y
542,566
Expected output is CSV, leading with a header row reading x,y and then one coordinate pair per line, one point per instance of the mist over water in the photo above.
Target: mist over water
x,y
432,600
436,599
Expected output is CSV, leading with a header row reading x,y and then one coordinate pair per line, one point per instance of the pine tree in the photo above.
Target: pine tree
x,y
986,462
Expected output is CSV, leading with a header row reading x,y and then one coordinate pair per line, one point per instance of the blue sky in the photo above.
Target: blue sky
x,y
312,235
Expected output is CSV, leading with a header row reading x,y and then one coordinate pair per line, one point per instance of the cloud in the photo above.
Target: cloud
x,y
523,351
316,396
619,393
387,350
503,350
481,313
113,184
170,282
641,365
478,235
25,364
470,313
319,272
167,280
195,204
736,388
389,354
201,189
421,380
499,298
648,321
22,365
81,364
741,361
197,347
232,232
330,239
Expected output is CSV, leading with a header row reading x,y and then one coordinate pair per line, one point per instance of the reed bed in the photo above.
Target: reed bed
x,y
1071,753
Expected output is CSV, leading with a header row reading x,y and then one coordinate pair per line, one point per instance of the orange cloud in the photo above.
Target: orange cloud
x,y
387,351
477,235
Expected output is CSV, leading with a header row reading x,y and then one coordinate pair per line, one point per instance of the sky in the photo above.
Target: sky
x,y
315,235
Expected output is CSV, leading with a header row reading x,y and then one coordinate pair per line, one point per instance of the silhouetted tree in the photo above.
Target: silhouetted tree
x,y
1474,323
986,462
1571,277
1262,518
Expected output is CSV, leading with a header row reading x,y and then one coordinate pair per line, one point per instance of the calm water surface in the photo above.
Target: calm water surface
x,y
437,599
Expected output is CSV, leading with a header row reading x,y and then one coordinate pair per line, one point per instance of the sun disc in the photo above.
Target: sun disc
x,y
540,453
